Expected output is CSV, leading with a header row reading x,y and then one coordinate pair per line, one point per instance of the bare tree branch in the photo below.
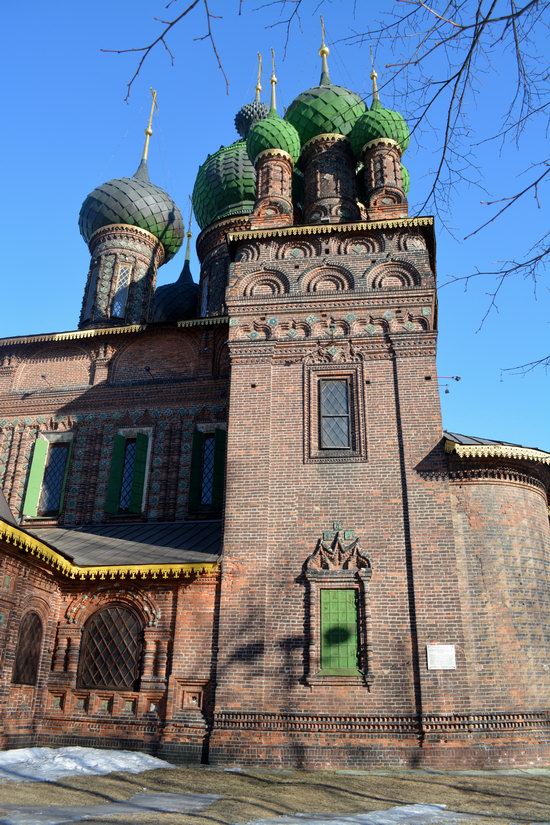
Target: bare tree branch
x,y
145,51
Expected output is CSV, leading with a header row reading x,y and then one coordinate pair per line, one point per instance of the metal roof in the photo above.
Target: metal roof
x,y
472,440
184,542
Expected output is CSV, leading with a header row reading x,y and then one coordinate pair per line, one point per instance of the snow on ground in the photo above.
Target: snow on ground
x,y
48,764
404,815
140,803
193,803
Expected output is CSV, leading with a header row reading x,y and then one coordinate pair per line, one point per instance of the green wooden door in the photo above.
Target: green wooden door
x,y
339,631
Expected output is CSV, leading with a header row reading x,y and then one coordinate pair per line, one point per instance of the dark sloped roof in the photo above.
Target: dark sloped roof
x,y
5,512
188,542
474,440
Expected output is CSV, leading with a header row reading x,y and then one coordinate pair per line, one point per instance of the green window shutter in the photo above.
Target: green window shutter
x,y
220,440
115,476
36,474
339,631
195,479
136,498
65,476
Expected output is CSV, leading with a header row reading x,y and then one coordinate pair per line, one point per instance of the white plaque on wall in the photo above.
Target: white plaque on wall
x,y
441,657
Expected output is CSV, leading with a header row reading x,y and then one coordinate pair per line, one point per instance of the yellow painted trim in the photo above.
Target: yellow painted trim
x,y
496,451
71,335
20,540
328,228
91,333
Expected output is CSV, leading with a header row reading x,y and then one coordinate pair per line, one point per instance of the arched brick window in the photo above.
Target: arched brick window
x,y
27,654
111,648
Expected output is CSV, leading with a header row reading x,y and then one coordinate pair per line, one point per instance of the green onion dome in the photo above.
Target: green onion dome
x,y
134,201
273,133
248,115
324,109
225,185
376,123
405,175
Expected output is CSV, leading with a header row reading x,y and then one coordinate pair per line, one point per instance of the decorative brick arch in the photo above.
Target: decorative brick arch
x,y
362,245
393,275
248,252
55,367
265,284
327,279
179,358
297,250
83,605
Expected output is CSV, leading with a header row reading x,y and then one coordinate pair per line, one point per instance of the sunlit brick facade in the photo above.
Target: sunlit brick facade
x,y
235,530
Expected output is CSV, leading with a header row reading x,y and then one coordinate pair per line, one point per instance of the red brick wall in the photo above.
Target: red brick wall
x,y
503,538
171,707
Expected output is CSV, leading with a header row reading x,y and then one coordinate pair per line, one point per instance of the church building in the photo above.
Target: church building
x,y
232,527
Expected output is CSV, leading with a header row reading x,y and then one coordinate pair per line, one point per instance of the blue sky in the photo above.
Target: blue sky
x,y
66,128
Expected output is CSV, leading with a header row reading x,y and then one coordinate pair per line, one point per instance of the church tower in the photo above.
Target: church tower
x,y
131,227
333,560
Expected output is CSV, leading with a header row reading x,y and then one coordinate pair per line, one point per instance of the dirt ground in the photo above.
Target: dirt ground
x,y
493,797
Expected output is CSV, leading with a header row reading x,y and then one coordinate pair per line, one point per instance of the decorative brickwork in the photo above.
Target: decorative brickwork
x,y
383,594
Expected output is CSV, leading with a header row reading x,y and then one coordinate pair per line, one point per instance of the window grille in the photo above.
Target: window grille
x,y
127,474
111,649
334,415
54,479
120,298
126,485
27,654
207,485
206,482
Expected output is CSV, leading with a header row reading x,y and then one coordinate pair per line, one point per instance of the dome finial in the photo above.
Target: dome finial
x,y
273,82
259,80
149,129
189,234
324,53
374,78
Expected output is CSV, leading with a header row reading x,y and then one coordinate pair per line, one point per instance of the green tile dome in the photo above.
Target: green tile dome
x,y
405,175
378,122
137,202
225,185
324,109
248,115
273,133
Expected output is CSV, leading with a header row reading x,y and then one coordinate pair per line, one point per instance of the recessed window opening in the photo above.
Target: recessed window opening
x,y
90,297
207,487
334,414
54,479
111,649
27,654
127,474
120,298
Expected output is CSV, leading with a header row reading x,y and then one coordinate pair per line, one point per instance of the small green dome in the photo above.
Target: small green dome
x,y
378,122
248,115
324,109
137,202
273,133
406,179
225,185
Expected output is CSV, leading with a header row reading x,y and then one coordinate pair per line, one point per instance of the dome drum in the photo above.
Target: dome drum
x,y
274,190
330,187
384,181
122,276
